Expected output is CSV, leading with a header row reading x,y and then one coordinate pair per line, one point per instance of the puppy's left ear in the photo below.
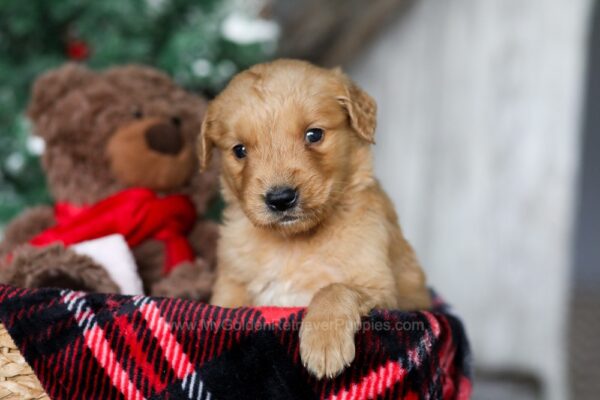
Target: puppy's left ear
x,y
361,108
205,144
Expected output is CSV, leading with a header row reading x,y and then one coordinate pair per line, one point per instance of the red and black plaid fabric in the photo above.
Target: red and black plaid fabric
x,y
96,346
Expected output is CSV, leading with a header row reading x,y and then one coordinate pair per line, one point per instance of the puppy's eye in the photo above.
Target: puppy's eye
x,y
313,135
239,151
176,121
138,114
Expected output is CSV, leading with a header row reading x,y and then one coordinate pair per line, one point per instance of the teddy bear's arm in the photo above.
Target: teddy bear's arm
x,y
203,239
56,266
24,227
190,280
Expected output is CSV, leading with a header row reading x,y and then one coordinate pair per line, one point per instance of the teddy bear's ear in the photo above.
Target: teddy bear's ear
x,y
55,84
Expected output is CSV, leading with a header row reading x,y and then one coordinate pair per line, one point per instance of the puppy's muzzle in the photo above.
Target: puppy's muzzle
x,y
281,198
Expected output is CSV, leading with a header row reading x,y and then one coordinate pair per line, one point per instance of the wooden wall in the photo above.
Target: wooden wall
x,y
478,144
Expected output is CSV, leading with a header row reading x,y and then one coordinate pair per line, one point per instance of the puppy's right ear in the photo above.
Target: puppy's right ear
x,y
361,107
205,143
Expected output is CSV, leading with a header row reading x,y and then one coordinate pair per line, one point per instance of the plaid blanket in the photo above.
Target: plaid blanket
x,y
97,346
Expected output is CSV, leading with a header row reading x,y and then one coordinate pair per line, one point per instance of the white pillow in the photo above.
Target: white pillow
x,y
113,253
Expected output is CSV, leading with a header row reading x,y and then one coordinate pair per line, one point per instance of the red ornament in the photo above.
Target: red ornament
x,y
78,50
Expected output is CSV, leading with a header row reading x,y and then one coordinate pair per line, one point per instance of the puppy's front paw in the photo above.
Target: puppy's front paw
x,y
327,342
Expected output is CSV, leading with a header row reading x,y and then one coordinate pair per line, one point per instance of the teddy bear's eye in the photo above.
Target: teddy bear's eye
x,y
176,121
138,114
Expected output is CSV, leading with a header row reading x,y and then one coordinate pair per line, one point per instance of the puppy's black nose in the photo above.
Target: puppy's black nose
x,y
281,198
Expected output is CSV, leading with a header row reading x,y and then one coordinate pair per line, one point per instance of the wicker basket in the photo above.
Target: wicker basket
x,y
17,380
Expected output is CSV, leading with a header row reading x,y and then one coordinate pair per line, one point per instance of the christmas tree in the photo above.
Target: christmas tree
x,y
201,43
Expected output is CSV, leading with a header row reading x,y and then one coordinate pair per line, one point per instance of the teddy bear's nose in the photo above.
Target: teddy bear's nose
x,y
164,138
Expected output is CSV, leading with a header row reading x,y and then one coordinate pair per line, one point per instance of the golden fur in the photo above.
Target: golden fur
x,y
340,251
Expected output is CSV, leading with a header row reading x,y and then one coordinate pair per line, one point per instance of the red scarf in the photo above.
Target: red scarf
x,y
138,214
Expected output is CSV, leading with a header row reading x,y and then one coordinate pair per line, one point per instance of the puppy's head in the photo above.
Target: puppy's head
x,y
294,140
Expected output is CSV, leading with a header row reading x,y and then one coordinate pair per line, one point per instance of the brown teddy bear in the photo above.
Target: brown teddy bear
x,y
120,164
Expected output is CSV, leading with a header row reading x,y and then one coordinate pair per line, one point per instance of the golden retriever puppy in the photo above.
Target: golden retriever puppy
x,y
306,223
